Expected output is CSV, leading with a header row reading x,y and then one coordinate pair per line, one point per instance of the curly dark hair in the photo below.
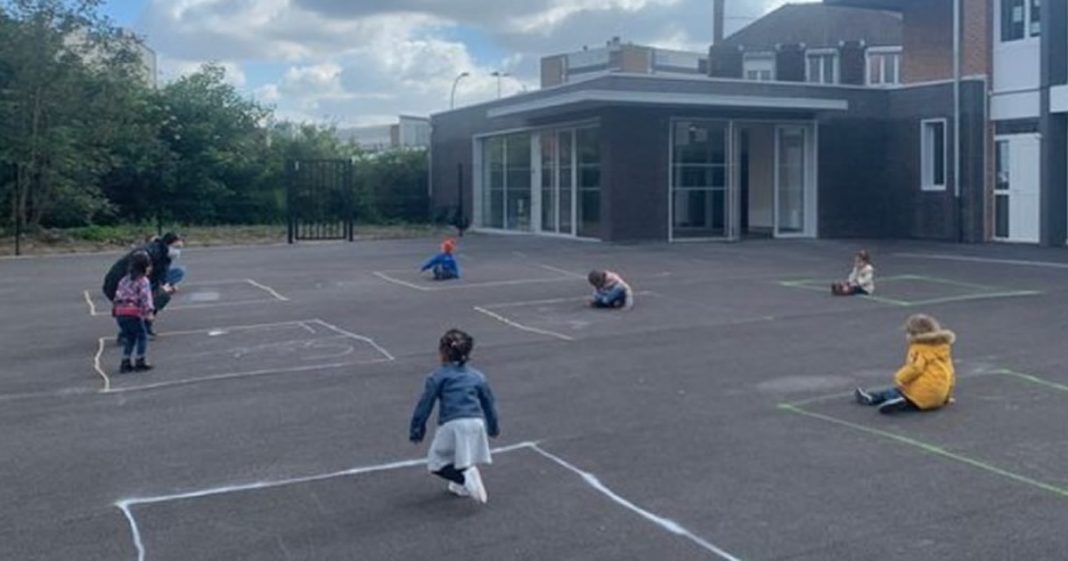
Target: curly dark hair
x,y
596,278
139,264
456,346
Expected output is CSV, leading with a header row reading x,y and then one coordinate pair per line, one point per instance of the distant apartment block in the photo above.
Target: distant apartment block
x,y
408,132
617,56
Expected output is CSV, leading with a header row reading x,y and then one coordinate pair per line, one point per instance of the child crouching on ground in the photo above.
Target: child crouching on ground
x,y
444,265
861,279
609,290
927,379
132,307
466,414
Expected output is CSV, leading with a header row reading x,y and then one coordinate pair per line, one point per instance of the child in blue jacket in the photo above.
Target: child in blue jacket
x,y
466,415
444,264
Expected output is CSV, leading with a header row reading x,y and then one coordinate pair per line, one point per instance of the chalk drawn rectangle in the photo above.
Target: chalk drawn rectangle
x,y
239,351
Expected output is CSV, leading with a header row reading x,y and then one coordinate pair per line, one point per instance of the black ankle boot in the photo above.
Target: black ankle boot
x,y
141,365
125,367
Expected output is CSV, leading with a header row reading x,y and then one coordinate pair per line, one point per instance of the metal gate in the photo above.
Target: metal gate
x,y
319,196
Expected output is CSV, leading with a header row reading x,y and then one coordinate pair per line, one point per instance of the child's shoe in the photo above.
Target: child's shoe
x,y
142,366
863,397
894,405
458,490
473,484
125,367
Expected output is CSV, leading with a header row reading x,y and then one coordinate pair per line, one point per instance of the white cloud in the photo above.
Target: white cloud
x,y
355,62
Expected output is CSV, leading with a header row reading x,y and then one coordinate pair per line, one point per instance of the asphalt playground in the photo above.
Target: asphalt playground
x,y
713,421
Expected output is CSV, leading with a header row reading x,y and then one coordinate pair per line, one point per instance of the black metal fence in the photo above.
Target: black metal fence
x,y
319,197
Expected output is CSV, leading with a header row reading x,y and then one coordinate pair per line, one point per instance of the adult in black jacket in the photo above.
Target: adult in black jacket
x,y
165,275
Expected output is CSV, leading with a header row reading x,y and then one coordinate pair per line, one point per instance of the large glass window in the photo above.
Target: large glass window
x,y
822,67
506,182
933,147
699,179
517,182
493,182
588,156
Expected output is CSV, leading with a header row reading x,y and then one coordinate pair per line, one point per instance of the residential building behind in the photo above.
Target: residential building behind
x,y
617,56
408,132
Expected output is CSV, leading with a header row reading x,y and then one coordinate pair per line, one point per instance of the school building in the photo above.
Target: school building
x,y
850,118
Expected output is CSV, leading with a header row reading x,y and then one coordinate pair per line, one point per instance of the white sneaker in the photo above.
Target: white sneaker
x,y
458,490
473,484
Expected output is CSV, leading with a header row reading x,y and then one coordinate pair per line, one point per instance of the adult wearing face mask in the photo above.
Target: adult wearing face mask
x,y
165,274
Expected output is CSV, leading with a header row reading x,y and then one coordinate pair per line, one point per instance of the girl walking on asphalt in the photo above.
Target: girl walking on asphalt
x,y
467,414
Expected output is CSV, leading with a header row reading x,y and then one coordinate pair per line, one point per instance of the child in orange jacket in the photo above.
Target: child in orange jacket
x,y
927,379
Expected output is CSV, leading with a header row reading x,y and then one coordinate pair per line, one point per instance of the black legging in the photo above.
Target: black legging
x,y
451,473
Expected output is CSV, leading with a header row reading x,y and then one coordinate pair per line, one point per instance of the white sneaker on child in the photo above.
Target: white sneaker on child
x,y
458,490
473,484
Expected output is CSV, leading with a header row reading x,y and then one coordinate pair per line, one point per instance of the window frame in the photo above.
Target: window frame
x,y
762,56
882,52
835,66
927,156
1028,31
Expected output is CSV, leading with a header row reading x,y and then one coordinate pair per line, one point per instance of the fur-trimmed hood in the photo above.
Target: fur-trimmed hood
x,y
939,337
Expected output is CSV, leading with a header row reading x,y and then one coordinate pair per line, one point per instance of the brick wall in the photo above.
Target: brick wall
x,y
790,63
724,61
928,38
852,63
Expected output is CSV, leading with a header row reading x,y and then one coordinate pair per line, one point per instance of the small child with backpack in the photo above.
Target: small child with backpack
x,y
444,265
131,308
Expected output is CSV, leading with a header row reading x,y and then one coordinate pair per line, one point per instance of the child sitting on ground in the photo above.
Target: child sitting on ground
x,y
466,414
927,379
861,279
609,290
444,265
132,307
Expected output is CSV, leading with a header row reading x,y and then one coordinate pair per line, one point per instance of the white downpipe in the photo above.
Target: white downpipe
x,y
956,97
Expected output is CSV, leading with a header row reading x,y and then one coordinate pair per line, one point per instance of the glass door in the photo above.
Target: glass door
x,y
792,182
699,180
565,181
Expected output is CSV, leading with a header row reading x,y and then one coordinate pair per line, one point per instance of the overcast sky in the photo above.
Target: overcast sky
x,y
355,62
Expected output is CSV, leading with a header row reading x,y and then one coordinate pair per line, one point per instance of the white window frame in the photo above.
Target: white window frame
x,y
926,156
873,52
835,70
1028,33
760,57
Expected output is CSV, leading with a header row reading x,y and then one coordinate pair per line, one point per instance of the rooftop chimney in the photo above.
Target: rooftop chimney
x,y
717,21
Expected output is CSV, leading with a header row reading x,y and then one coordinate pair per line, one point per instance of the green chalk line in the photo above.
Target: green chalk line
x,y
820,285
931,449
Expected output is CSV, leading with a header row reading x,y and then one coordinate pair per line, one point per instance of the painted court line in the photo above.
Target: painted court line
x,y
522,327
400,282
126,505
523,303
964,258
664,523
796,408
368,340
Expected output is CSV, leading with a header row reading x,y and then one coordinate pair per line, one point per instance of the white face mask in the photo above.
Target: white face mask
x,y
174,253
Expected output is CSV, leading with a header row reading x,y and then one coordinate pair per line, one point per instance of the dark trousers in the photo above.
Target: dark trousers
x,y
451,473
132,333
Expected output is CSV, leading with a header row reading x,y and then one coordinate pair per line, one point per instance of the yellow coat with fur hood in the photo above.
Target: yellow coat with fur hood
x,y
927,379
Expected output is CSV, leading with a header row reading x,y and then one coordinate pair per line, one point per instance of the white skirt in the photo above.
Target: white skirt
x,y
460,442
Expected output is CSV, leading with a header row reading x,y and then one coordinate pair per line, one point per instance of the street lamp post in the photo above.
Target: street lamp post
x,y
498,74
452,96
